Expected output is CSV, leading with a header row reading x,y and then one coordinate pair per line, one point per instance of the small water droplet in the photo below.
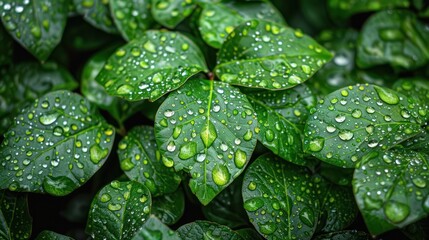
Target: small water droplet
x,y
177,130
371,203
269,135
171,147
114,207
58,131
396,212
252,186
357,113
370,110
105,197
373,143
248,135
167,162
220,175
124,89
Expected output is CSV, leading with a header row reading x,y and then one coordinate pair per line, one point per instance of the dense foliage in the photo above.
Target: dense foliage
x,y
196,119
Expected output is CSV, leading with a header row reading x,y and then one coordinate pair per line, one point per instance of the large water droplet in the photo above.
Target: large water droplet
x,y
167,162
248,135
127,164
307,216
357,113
220,175
208,134
345,135
97,153
268,228
253,204
114,207
340,118
419,182
105,197
252,186
316,144
188,150
124,89
58,186
386,95
176,132
269,135
240,158
48,119
396,212
371,203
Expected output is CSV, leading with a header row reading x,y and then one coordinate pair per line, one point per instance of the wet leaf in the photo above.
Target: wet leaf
x,y
55,145
206,230
119,210
132,18
6,48
341,9
354,121
280,199
24,82
418,89
38,26
261,54
169,13
49,235
97,13
217,20
249,234
15,219
151,66
119,108
206,128
403,196
344,235
393,37
169,208
154,229
142,162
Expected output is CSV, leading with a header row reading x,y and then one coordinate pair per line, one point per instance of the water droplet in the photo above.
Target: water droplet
x,y
48,119
396,212
58,131
307,216
220,175
36,32
127,164
391,34
357,113
370,110
340,118
149,46
316,144
253,204
188,150
105,197
252,186
345,135
171,146
268,228
405,113
386,95
167,162
208,134
369,129
371,203
58,186
124,89
306,69
114,207
157,78
294,79
40,138
248,135
240,158
419,182
373,143
269,135
387,159
426,204
97,153
177,130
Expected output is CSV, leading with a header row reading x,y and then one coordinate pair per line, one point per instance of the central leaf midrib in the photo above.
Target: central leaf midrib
x,y
209,103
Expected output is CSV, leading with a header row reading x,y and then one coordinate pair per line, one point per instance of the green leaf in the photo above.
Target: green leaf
x,y
354,121
337,175
120,109
227,207
154,229
119,210
393,37
15,219
344,235
249,234
280,199
97,13
217,20
403,196
151,66
261,54
25,82
340,10
55,145
131,17
49,235
206,230
169,13
141,161
38,26
169,208
418,89
6,48
206,128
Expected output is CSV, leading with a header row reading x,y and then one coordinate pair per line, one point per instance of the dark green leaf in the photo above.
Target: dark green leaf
x,y
217,20
206,128
119,210
131,17
267,55
25,82
393,37
141,161
169,208
37,25
344,235
15,219
343,9
151,66
227,207
391,189
206,230
354,121
6,47
249,234
169,13
55,145
97,13
418,89
337,175
280,199
154,229
49,235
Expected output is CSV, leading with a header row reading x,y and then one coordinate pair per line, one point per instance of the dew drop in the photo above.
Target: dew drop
x,y
176,132
105,197
252,186
419,182
253,204
171,146
396,212
372,204
357,113
240,158
269,135
370,110
340,118
268,228
220,175
345,135
208,134
48,119
124,89
114,207
331,128
58,131
386,95
188,150
167,162
307,216
316,144
248,135
58,186
373,143
97,153
127,164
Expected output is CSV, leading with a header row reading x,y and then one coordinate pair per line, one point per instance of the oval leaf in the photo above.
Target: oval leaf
x,y
97,13
280,199
15,219
131,17
206,230
403,197
169,208
55,145
141,161
393,37
151,66
169,13
37,25
418,89
206,128
261,54
119,210
351,122
154,229
344,235
49,235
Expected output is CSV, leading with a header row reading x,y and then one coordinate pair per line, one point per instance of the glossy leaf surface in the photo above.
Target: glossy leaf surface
x,y
49,235
37,25
97,13
55,145
261,54
15,219
343,9
354,121
151,66
206,128
119,210
205,229
169,208
169,13
280,199
154,229
344,235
